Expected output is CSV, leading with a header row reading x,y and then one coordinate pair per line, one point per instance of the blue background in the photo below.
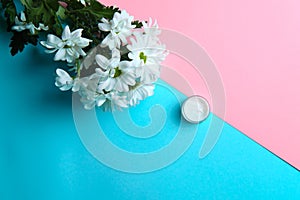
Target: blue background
x,y
42,157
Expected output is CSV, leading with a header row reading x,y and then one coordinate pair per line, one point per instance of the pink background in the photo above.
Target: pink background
x,y
255,46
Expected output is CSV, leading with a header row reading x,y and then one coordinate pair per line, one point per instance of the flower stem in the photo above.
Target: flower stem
x,y
77,65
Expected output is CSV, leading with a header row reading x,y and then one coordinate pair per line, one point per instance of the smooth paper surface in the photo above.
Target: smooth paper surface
x,y
42,156
255,45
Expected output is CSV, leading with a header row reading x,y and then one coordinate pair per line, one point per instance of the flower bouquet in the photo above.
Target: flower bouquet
x,y
112,61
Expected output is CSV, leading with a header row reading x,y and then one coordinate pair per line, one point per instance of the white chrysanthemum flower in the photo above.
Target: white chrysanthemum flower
x,y
146,50
148,73
63,80
114,75
146,54
120,27
21,25
91,96
115,100
151,29
69,47
79,83
140,92
106,64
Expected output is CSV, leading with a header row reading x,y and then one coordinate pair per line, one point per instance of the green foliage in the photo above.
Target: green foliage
x,y
87,18
44,11
137,24
95,9
54,15
20,39
10,12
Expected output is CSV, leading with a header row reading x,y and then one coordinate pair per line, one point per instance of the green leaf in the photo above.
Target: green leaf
x,y
87,17
137,24
20,39
53,15
10,12
61,12
43,11
95,9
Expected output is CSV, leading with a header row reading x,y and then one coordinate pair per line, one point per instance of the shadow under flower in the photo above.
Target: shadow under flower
x,y
35,71
41,69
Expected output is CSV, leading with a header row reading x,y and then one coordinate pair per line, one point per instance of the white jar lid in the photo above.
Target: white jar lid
x,y
195,109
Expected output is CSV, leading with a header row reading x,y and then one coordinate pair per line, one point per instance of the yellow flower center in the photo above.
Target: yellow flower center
x,y
143,57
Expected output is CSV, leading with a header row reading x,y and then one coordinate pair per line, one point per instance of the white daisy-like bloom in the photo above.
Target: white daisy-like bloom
x,y
21,25
91,96
140,92
69,47
120,27
146,49
63,80
115,75
79,83
115,100
146,54
151,29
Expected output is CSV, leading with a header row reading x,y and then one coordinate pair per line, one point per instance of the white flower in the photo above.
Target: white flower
x,y
109,101
93,99
69,47
115,75
120,28
63,80
42,27
148,73
23,25
79,83
140,92
146,50
91,96
106,64
151,29
146,54
115,100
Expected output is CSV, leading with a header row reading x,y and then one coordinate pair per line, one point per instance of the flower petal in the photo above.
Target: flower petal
x,y
61,72
23,18
52,39
77,33
104,26
60,55
66,33
102,61
50,51
100,100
